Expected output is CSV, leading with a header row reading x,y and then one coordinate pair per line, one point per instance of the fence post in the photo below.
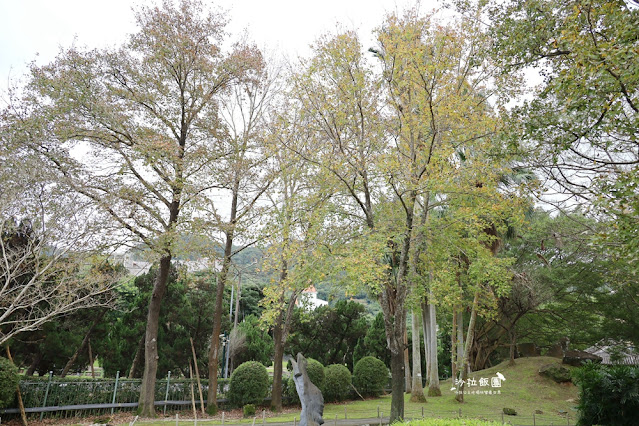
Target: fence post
x,y
502,418
380,419
345,413
46,394
115,390
534,421
166,395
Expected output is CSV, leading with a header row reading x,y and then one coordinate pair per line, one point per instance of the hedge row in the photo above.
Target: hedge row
x,y
88,391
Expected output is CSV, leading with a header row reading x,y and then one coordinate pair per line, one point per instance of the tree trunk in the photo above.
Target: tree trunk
x,y
91,360
83,345
469,343
417,390
23,414
211,399
433,378
34,364
453,345
395,325
214,351
513,344
460,339
146,407
425,321
280,334
397,386
136,358
407,379
276,395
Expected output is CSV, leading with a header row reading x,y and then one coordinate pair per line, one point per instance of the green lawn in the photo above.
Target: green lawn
x,y
523,390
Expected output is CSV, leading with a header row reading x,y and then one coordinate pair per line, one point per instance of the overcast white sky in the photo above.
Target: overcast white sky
x,y
36,29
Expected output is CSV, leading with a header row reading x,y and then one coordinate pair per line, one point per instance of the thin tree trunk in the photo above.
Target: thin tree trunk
x,y
276,394
407,377
197,375
82,346
469,343
425,321
460,339
433,378
417,390
91,360
513,344
136,358
146,407
23,414
453,345
34,364
280,334
214,351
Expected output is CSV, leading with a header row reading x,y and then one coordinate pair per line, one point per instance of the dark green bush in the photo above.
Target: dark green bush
x,y
248,410
510,411
608,395
249,384
315,371
289,391
337,383
370,375
8,382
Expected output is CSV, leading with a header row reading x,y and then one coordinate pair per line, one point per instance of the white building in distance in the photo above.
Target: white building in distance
x,y
309,299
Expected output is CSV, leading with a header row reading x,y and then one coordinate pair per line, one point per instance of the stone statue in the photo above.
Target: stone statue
x,y
310,396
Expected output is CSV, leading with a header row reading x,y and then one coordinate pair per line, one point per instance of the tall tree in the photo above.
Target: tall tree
x,y
142,117
295,232
581,125
243,112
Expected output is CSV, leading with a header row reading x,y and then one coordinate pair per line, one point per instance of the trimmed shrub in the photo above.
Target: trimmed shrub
x,y
337,383
289,391
315,371
608,395
249,384
509,411
8,382
370,375
248,410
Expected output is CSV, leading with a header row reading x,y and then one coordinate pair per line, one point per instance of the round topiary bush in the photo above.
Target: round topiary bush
x,y
8,382
370,375
289,391
337,383
249,384
315,371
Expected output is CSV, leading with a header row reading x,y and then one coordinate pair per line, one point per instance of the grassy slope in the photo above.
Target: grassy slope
x,y
524,390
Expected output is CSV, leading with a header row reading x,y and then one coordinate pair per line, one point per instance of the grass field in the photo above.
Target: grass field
x,y
523,390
